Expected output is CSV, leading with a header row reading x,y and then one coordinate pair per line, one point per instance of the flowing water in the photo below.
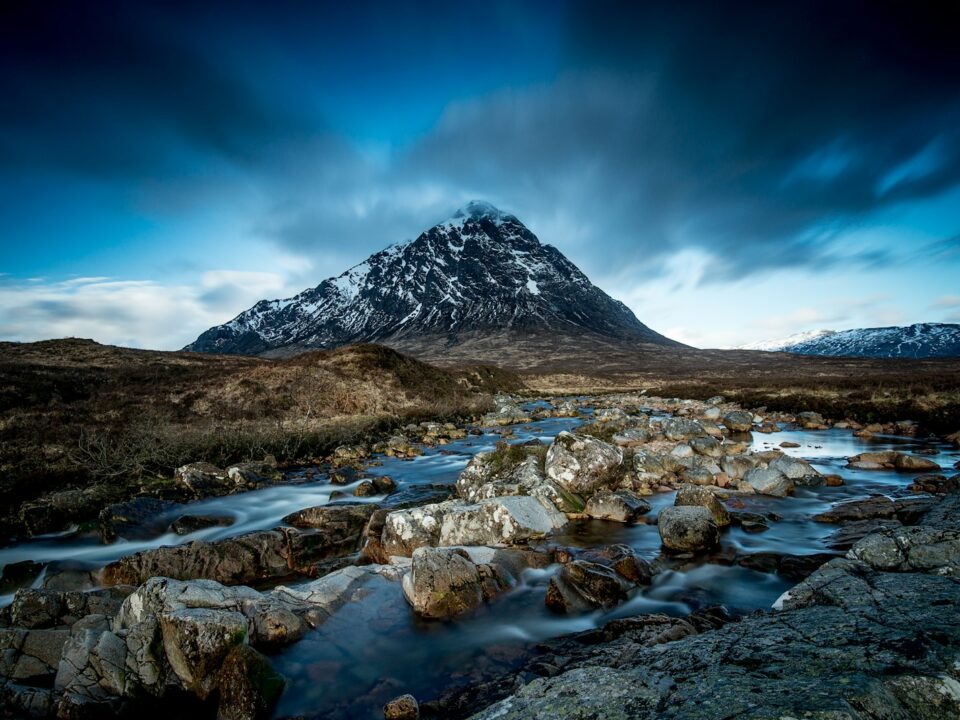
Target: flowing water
x,y
376,648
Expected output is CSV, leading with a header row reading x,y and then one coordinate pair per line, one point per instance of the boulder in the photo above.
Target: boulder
x,y
676,429
811,421
406,530
912,463
504,520
620,506
581,463
196,642
404,707
738,421
794,468
736,466
688,528
250,475
516,470
134,519
249,686
201,479
768,481
697,496
186,524
631,437
444,582
581,585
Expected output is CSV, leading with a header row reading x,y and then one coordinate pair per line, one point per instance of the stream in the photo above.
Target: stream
x,y
375,649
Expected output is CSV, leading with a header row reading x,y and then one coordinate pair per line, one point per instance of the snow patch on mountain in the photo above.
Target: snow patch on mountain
x,y
480,270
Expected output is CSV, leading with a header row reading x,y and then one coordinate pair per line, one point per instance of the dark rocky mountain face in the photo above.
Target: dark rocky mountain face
x,y
480,271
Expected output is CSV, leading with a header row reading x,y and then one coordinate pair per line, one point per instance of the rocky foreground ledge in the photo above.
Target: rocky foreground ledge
x,y
874,635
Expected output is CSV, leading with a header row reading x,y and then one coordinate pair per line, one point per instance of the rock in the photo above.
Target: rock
x,y
935,484
404,707
249,686
15,575
505,520
811,421
621,506
444,582
912,463
789,444
736,466
693,495
738,421
794,468
196,642
711,413
57,510
716,400
581,463
844,537
769,481
582,585
44,608
906,510
631,437
681,429
250,475
514,470
135,519
186,524
406,530
507,413
234,561
911,549
384,484
688,528
202,479
698,476
707,446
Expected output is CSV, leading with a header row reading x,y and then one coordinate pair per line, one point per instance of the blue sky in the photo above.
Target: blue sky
x,y
733,172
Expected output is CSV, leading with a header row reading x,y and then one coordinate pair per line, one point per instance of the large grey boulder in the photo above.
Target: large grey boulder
x,y
197,641
768,481
794,468
489,475
582,585
445,582
687,528
697,496
500,521
581,463
406,530
678,428
738,421
619,505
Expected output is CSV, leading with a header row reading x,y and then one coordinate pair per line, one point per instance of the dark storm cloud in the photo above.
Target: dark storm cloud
x,y
129,89
758,132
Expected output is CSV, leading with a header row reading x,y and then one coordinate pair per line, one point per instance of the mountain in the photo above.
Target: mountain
x,y
922,340
481,272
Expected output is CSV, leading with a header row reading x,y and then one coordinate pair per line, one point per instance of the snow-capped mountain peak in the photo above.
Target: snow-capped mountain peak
x,y
921,340
480,271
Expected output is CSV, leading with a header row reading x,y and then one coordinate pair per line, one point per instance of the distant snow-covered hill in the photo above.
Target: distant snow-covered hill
x,y
481,271
922,340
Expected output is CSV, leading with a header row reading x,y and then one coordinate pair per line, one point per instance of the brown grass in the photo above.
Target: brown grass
x,y
73,412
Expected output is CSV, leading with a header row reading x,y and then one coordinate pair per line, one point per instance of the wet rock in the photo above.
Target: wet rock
x,y
66,575
507,413
789,444
906,510
769,481
15,575
581,585
687,528
384,484
186,524
444,582
708,446
912,463
795,469
251,475
249,686
698,476
365,489
404,707
58,510
201,479
234,561
844,537
738,421
736,466
649,466
620,505
505,520
197,641
581,463
135,519
935,484
911,549
693,495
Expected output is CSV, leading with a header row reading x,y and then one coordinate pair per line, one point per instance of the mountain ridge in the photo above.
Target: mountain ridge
x,y
917,341
481,270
